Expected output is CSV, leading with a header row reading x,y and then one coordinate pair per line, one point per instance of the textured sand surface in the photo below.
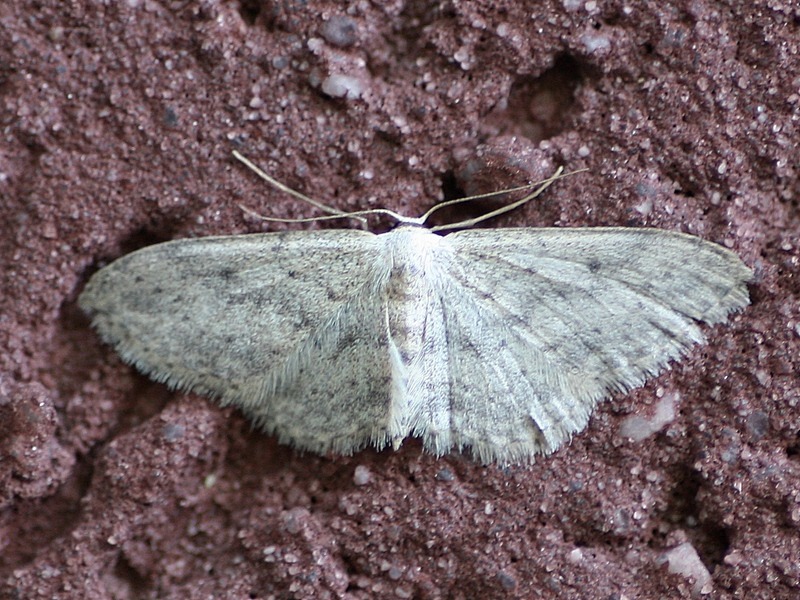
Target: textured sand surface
x,y
118,124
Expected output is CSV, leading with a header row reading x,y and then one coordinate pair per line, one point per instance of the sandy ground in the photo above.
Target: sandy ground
x,y
118,121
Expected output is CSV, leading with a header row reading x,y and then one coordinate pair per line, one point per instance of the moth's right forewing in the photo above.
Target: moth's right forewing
x,y
209,314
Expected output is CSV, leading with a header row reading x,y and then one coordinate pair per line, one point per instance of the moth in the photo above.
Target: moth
x,y
499,342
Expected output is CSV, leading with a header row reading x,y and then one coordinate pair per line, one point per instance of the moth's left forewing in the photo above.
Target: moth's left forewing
x,y
582,312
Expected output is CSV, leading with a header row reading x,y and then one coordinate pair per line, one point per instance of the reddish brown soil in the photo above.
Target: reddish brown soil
x,y
118,121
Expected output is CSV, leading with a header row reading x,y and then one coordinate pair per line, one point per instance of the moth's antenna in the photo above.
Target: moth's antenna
x,y
543,185
358,215
286,189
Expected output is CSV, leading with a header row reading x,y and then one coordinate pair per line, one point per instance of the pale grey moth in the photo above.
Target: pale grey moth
x,y
499,341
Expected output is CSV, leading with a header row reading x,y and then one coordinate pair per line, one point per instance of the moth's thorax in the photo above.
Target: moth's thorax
x,y
415,254
418,261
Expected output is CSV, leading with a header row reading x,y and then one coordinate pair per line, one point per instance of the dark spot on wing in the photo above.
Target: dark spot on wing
x,y
236,299
668,333
594,266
